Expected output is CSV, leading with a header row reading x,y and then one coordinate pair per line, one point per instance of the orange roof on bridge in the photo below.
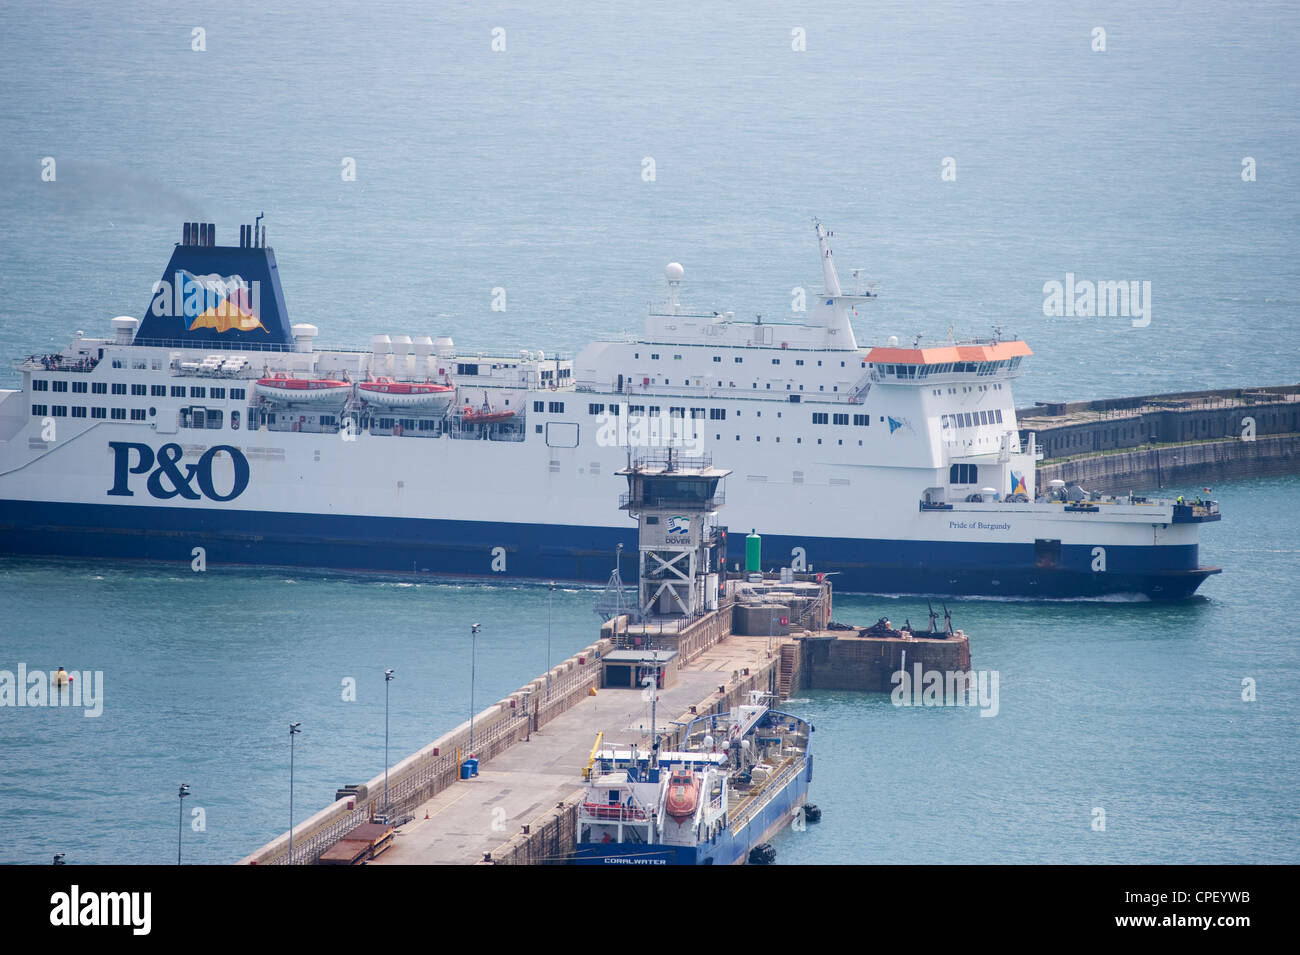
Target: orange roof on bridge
x,y
998,351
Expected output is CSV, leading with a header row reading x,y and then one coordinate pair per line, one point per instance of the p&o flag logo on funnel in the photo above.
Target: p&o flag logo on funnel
x,y
222,304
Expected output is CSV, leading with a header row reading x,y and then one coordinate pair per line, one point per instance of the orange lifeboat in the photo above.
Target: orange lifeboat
x,y
406,394
683,795
283,388
486,415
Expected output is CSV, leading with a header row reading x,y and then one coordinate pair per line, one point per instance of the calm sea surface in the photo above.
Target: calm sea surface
x,y
524,170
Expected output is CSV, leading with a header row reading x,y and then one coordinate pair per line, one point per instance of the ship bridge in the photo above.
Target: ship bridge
x,y
983,359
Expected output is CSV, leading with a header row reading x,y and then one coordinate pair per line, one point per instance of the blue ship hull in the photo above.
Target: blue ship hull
x,y
543,551
727,848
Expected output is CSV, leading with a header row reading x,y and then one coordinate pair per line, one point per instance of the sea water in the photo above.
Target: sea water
x,y
966,156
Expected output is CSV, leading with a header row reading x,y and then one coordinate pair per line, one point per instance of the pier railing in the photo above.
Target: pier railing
x,y
438,766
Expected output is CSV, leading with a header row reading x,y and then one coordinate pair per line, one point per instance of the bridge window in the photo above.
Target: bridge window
x,y
79,387
78,411
218,393
139,390
862,420
98,388
40,410
158,391
555,407
60,385
718,414
820,417
963,474
99,412
117,414
137,414
198,392
119,388
840,419
59,411
40,384
237,394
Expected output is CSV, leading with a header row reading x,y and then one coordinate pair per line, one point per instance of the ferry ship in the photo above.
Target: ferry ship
x,y
212,430
739,778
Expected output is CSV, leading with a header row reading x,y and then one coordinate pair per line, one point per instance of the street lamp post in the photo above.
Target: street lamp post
x,y
473,634
293,731
180,822
388,678
549,599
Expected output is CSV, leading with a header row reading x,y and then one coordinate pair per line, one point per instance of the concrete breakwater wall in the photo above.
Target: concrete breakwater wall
x,y
840,661
1066,429
1207,462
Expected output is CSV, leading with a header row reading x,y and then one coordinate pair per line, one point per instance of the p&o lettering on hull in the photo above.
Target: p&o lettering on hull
x,y
166,481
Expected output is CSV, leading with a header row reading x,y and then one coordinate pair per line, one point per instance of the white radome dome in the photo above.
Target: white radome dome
x,y
674,271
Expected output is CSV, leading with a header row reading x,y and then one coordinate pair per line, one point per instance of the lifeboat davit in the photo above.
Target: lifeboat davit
x,y
285,389
683,795
406,394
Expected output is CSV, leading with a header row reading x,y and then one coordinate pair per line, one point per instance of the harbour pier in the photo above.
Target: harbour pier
x,y
530,753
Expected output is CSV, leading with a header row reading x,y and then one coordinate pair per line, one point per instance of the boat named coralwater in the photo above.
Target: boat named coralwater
x,y
739,778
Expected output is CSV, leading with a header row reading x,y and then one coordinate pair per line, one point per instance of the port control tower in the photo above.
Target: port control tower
x,y
675,498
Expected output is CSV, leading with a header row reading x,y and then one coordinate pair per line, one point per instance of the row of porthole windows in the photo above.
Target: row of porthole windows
x,y
971,419
758,438
137,390
654,356
686,383
80,411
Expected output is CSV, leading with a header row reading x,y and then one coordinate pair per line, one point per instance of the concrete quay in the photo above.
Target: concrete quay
x,y
522,807
529,783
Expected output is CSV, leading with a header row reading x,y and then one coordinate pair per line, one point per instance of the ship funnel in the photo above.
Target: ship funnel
x,y
217,296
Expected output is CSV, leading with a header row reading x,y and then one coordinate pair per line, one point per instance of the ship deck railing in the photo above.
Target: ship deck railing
x,y
55,362
746,809
1092,503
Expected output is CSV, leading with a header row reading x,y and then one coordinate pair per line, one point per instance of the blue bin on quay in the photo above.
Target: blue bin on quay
x,y
469,768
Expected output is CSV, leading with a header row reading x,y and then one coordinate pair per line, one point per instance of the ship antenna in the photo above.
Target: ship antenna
x,y
829,275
